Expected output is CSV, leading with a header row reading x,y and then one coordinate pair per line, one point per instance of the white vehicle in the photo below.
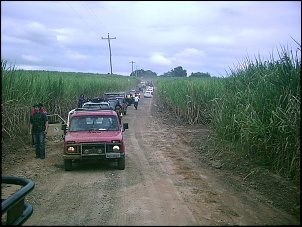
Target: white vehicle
x,y
148,94
150,89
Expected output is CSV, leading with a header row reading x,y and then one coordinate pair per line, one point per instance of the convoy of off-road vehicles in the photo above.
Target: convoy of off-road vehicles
x,y
94,132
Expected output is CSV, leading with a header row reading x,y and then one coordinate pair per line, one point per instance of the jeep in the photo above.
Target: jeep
x,y
94,135
122,102
130,95
113,94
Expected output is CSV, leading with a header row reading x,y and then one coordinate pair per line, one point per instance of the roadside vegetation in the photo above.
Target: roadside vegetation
x,y
254,112
58,91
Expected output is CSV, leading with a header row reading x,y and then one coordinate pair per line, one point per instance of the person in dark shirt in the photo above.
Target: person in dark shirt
x,y
39,127
32,112
81,101
118,110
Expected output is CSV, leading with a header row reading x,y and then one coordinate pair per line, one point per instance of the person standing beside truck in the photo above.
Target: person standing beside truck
x,y
38,129
32,112
118,110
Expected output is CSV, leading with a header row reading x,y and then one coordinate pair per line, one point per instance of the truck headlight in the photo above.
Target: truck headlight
x,y
71,149
116,148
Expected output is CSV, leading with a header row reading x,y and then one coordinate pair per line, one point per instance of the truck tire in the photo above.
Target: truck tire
x,y
68,165
121,163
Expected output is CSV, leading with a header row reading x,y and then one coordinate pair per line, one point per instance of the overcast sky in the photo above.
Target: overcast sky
x,y
199,36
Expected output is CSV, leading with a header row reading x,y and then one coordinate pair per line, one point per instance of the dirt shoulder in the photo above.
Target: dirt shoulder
x,y
238,174
171,178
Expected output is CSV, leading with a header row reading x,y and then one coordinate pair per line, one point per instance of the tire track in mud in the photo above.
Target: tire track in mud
x,y
163,205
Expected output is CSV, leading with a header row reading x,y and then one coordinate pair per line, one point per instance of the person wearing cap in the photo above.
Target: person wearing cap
x,y
32,112
39,127
41,109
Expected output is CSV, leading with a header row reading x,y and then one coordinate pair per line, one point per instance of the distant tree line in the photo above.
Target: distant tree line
x,y
176,72
143,73
198,74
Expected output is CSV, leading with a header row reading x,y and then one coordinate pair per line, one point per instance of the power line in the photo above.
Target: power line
x,y
109,50
93,14
80,17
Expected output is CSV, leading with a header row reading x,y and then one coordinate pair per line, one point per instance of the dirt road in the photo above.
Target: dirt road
x,y
167,181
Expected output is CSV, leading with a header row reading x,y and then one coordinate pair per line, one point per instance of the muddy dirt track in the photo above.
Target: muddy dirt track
x,y
167,181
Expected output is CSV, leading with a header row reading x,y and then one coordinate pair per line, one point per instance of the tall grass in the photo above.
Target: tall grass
x,y
58,91
254,112
189,98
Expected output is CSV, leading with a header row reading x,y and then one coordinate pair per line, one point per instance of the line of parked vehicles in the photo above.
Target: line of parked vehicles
x,y
94,132
110,99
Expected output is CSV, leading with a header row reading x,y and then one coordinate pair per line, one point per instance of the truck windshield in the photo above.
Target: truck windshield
x,y
93,123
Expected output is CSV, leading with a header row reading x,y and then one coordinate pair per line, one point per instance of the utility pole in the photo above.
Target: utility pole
x,y
132,65
109,50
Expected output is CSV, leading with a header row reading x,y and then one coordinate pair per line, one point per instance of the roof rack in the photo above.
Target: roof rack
x,y
94,109
96,99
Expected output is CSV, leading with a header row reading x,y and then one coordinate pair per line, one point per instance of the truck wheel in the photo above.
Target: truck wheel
x,y
121,163
68,165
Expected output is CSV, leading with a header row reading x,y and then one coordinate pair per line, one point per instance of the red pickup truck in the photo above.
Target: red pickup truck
x,y
94,136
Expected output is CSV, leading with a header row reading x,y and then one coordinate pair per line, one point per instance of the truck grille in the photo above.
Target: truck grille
x,y
88,149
